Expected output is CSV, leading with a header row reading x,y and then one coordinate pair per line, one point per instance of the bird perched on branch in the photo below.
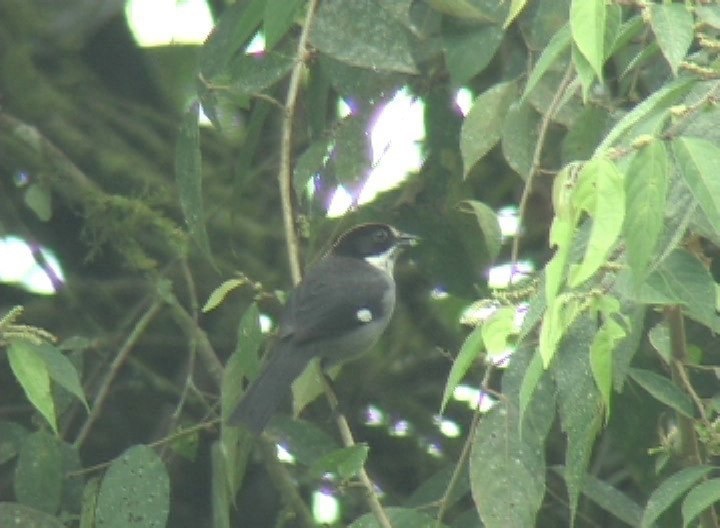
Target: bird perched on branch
x,y
337,312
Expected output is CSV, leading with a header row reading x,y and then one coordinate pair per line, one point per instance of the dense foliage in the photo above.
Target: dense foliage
x,y
599,120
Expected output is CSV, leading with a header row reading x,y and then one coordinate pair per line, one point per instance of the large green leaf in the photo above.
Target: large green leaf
x,y
669,491
135,491
646,187
233,31
520,136
674,30
278,18
507,460
14,514
655,104
399,518
38,474
359,33
188,173
468,52
32,373
698,161
607,217
252,74
580,404
488,222
663,390
700,498
587,22
550,56
483,125
469,353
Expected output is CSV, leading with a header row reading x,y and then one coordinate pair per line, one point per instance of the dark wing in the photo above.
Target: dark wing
x,y
326,303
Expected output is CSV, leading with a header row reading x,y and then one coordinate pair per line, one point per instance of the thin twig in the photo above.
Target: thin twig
x,y
690,451
535,165
205,349
165,440
348,441
115,366
285,172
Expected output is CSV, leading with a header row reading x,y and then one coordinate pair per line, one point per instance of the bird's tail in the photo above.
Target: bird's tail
x,y
267,391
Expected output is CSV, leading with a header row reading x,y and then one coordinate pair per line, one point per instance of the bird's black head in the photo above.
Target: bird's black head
x,y
372,240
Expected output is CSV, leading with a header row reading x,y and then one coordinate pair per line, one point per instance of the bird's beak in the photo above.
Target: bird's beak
x,y
406,239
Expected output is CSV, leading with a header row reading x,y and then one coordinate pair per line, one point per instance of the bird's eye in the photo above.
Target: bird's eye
x,y
381,236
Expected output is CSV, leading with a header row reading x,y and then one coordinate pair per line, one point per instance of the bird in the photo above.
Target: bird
x,y
337,312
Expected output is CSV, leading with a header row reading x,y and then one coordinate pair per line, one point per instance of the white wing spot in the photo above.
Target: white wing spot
x,y
364,315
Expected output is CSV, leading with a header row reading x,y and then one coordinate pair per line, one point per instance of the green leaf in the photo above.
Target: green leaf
x,y
669,491
14,514
279,16
249,341
516,6
601,357
498,448
488,221
663,390
346,462
468,10
482,126
61,370
587,22
520,137
39,199
467,53
679,279
497,330
352,152
188,175
135,491
89,503
612,500
656,103
253,73
12,436
218,294
309,164
550,57
674,30
399,518
469,352
32,374
697,162
232,32
608,216
38,474
359,33
585,73
699,499
586,133
531,378
646,187
579,404
305,441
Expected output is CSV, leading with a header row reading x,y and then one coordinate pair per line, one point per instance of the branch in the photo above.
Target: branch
x,y
535,165
115,366
689,443
348,441
285,172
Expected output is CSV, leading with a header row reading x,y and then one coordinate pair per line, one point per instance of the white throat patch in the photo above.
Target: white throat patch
x,y
384,261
